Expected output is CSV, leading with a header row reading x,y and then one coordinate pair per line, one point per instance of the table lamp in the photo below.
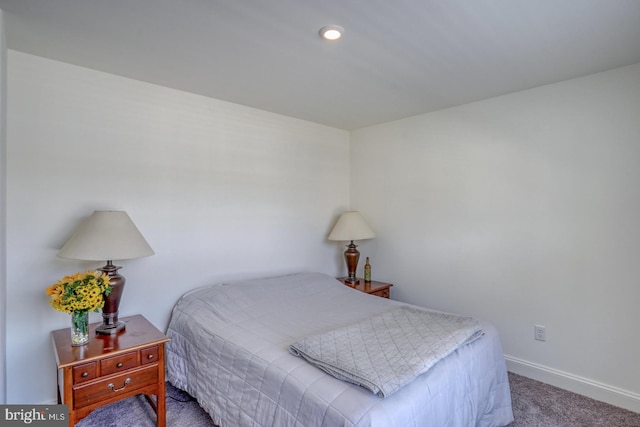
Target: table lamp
x,y
351,226
107,236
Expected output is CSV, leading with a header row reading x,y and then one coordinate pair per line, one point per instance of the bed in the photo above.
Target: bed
x,y
231,343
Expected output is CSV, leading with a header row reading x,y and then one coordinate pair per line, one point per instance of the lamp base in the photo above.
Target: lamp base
x,y
351,256
110,325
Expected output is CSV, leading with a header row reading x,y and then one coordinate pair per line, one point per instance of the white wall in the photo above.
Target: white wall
x,y
3,264
522,209
220,191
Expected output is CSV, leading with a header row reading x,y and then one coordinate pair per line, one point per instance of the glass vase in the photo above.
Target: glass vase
x,y
79,328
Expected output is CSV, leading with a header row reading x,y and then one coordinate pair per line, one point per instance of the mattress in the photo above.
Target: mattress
x,y
229,349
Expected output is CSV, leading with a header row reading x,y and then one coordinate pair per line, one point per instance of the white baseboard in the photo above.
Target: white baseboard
x,y
584,386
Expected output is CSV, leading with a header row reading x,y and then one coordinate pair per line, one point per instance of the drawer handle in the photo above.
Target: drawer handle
x,y
150,356
119,365
85,374
112,387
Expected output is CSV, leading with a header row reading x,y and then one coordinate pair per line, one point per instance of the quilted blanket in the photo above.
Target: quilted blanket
x,y
385,352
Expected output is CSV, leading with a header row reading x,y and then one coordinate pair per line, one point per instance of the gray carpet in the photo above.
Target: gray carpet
x,y
534,405
182,410
542,405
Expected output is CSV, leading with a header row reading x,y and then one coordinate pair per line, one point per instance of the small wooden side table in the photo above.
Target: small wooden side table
x,y
111,368
380,289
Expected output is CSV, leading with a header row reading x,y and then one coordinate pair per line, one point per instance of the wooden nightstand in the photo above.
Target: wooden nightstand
x,y
111,368
380,289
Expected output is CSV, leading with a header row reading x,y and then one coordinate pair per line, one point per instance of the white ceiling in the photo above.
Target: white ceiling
x,y
398,58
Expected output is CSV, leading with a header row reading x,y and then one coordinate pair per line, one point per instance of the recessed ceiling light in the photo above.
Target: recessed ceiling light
x,y
331,32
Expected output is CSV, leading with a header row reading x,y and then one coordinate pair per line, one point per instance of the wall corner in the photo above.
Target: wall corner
x,y
3,221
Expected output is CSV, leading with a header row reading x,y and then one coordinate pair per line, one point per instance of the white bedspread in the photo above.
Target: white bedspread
x,y
229,349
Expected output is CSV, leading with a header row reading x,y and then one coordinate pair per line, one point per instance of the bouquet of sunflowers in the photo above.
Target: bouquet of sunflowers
x,y
80,292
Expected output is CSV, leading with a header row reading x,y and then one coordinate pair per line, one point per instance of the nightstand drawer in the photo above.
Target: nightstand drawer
x,y
149,355
119,363
384,293
82,373
379,289
115,386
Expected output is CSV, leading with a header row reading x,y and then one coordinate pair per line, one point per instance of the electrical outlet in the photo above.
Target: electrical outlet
x,y
540,333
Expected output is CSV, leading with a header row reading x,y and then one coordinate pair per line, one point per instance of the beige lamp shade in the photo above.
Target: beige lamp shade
x,y
106,235
351,226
